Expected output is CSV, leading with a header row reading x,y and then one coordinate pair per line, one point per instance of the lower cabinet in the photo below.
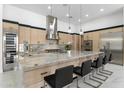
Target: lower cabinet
x,y
35,77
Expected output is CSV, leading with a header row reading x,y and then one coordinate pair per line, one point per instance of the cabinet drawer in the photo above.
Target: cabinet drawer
x,y
35,76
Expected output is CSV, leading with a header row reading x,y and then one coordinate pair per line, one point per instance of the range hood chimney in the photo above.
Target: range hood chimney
x,y
51,28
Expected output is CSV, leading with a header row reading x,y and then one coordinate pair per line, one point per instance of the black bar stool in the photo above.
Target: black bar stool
x,y
106,60
84,70
62,77
96,65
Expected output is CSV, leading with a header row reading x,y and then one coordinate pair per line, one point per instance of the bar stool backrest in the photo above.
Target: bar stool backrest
x,y
64,76
99,61
107,56
86,67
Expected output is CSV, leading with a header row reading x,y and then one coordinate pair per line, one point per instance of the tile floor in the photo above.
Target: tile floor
x,y
116,80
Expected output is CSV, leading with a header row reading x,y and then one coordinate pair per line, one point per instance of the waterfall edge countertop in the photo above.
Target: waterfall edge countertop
x,y
50,59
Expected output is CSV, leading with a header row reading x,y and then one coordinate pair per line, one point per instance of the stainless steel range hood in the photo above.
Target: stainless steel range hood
x,y
51,28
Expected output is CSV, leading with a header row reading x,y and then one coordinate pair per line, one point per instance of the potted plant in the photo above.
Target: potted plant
x,y
68,48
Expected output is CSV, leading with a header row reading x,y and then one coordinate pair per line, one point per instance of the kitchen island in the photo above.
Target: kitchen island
x,y
32,69
36,66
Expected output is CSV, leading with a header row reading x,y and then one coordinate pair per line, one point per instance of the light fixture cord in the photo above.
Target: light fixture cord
x,y
51,9
69,14
80,15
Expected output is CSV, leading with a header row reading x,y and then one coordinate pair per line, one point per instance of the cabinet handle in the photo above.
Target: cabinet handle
x,y
44,73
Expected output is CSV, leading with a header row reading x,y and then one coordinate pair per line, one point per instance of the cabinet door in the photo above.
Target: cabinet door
x,y
69,38
38,36
61,38
43,36
96,40
88,36
24,34
75,42
10,27
34,37
65,38
80,42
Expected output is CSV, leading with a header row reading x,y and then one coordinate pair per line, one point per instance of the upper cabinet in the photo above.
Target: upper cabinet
x,y
77,42
64,38
95,37
41,36
96,41
7,26
38,36
88,36
24,34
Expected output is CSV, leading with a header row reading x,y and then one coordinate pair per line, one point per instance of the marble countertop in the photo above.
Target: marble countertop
x,y
14,79
49,59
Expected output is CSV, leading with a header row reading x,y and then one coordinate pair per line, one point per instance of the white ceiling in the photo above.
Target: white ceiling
x,y
60,10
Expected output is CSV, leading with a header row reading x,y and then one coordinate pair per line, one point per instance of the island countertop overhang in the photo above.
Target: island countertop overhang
x,y
51,59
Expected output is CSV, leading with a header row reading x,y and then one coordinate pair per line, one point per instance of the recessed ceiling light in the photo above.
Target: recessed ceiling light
x,y
49,7
86,15
101,9
67,15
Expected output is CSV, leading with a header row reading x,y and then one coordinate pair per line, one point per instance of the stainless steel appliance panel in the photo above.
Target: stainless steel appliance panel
x,y
10,50
113,41
51,27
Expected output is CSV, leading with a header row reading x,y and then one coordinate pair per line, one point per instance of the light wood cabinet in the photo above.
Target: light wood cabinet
x,y
38,36
80,42
96,41
64,38
88,36
24,34
10,26
42,36
95,37
70,38
75,42
34,37
36,76
61,38
74,39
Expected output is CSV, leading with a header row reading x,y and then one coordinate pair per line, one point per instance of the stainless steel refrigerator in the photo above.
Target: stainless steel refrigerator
x,y
113,41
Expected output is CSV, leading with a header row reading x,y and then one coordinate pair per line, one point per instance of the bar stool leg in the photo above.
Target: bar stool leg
x,y
106,72
92,84
97,70
44,85
77,84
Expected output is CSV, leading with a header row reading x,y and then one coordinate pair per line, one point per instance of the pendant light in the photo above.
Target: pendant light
x,y
80,21
69,17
